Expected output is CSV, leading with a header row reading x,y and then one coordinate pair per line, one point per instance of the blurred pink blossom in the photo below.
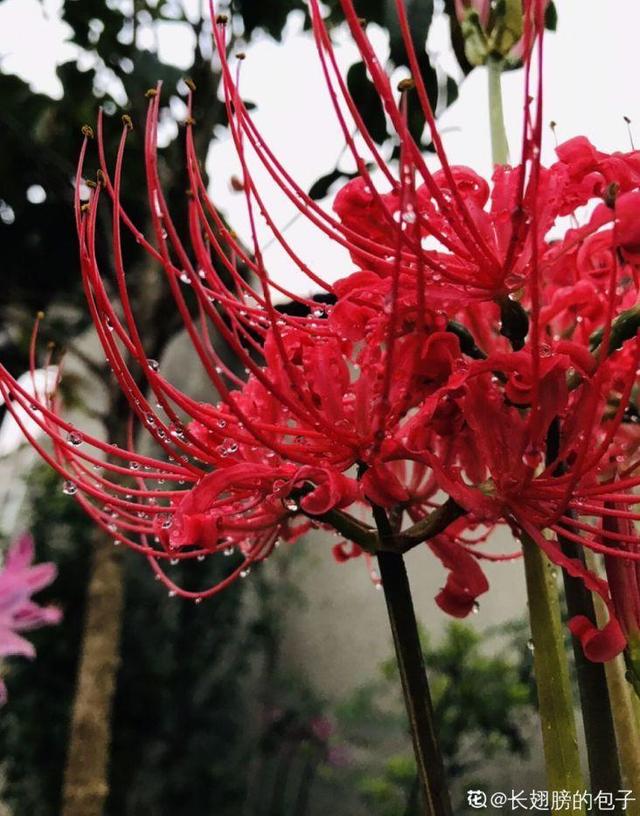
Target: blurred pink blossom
x,y
19,580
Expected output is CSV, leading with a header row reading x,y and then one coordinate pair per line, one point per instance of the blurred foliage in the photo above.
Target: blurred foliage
x,y
187,724
483,693
33,755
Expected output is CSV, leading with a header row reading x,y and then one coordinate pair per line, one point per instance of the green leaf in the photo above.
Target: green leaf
x,y
451,91
320,188
551,17
420,16
367,101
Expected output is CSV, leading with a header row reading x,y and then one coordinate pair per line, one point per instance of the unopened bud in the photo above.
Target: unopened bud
x,y
493,30
480,7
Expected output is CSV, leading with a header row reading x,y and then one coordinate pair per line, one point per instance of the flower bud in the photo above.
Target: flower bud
x,y
495,29
480,7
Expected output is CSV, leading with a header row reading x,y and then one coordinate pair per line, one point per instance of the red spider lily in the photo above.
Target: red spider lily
x,y
467,355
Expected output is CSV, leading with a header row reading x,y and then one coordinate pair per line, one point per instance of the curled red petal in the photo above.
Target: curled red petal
x,y
333,490
382,486
598,645
466,580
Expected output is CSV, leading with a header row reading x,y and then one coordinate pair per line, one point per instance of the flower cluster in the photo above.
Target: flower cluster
x,y
477,369
19,580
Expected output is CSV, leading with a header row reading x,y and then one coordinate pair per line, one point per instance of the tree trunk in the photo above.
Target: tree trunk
x,y
86,774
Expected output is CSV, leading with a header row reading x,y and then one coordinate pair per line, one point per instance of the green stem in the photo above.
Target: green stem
x,y
552,675
436,522
415,687
620,697
597,717
499,144
622,694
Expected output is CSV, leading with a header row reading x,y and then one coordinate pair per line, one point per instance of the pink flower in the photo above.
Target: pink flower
x,y
19,580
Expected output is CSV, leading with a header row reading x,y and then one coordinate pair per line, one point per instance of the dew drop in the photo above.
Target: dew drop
x,y
69,488
475,608
74,438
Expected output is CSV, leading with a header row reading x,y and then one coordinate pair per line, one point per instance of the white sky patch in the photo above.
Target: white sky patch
x,y
36,385
33,41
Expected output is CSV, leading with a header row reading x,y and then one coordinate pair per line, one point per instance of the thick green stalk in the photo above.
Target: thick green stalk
x,y
415,687
596,705
552,675
621,695
499,144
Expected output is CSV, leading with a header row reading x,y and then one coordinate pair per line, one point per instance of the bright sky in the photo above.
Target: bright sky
x,y
590,78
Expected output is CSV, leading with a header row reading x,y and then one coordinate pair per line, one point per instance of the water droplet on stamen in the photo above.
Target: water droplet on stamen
x,y
69,488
